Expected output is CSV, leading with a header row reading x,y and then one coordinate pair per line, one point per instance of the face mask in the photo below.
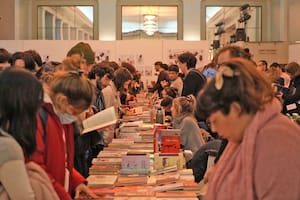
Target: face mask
x,y
66,118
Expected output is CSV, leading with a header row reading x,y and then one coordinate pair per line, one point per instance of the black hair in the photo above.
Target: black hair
x,y
17,55
264,62
171,91
5,56
29,62
167,101
101,69
173,68
23,96
164,66
189,59
121,75
158,63
35,56
275,64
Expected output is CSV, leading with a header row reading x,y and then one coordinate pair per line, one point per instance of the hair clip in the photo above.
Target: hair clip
x,y
224,70
78,73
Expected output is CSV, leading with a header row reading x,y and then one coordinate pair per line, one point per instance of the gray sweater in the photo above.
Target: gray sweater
x,y
190,135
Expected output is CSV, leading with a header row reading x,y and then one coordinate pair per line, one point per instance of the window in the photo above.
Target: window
x,y
65,20
228,24
147,22
145,19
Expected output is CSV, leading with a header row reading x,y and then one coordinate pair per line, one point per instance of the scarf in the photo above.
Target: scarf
x,y
234,175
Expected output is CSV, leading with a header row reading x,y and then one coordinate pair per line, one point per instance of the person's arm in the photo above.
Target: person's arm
x,y
14,178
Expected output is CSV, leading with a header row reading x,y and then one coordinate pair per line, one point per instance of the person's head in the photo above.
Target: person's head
x,y
157,65
274,72
129,66
262,66
183,105
292,69
236,93
18,59
166,103
5,59
36,57
186,61
87,54
163,67
71,63
114,65
71,93
169,91
228,52
173,72
30,64
102,73
122,78
22,96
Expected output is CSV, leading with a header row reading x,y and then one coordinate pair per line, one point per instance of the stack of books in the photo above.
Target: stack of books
x,y
102,181
135,164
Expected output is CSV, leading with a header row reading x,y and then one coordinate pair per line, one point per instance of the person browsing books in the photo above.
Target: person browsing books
x,y
17,137
68,95
183,118
249,116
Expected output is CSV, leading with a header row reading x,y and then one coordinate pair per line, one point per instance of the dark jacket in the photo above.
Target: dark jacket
x,y
292,98
200,158
193,82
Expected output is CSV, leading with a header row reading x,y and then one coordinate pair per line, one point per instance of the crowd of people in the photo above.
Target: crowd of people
x,y
234,107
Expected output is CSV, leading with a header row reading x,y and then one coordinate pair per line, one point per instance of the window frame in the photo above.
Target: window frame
x,y
38,3
229,3
177,3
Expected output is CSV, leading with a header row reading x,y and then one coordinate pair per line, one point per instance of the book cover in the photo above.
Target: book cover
x,y
100,120
135,161
170,140
162,160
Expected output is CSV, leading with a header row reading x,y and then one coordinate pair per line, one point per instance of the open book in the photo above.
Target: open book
x,y
101,119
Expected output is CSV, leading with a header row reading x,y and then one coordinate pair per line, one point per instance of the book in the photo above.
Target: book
x,y
135,161
134,191
168,187
162,160
99,181
176,194
100,120
170,140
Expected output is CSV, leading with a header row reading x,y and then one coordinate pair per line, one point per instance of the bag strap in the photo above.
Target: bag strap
x,y
44,118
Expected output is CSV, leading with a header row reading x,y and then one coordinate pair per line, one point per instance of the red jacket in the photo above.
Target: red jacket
x,y
51,155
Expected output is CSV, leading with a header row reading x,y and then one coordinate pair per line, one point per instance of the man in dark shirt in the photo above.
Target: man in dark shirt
x,y
193,80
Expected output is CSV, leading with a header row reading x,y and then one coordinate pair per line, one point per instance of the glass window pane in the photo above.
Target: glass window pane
x,y
65,22
225,25
149,22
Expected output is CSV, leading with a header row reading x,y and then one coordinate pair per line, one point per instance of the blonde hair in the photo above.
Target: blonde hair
x,y
78,89
71,63
184,105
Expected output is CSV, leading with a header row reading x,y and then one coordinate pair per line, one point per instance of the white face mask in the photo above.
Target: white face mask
x,y
66,118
